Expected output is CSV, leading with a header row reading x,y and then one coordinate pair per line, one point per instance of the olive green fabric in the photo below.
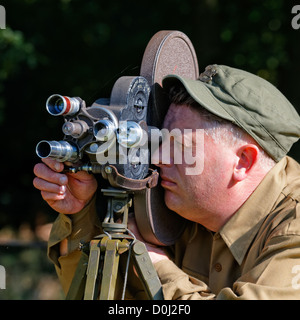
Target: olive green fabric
x,y
255,255
249,101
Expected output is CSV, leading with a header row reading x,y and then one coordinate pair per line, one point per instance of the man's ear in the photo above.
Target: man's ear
x,y
247,156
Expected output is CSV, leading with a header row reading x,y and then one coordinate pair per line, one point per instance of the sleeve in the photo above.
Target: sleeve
x,y
177,285
80,227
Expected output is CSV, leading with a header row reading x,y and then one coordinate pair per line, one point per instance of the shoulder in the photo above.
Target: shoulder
x,y
289,220
285,217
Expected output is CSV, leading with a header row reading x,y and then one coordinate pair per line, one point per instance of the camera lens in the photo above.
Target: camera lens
x,y
58,105
43,149
130,134
76,129
59,150
104,130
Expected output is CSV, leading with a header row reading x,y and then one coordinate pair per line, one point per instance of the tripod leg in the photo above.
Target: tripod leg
x,y
147,272
110,270
77,286
92,271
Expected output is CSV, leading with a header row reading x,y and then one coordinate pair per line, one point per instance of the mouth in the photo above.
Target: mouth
x,y
167,182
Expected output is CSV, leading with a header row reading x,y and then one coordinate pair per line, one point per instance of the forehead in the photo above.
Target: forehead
x,y
182,117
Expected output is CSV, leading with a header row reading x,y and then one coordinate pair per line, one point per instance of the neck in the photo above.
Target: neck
x,y
236,196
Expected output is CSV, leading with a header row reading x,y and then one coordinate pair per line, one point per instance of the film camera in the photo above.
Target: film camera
x,y
111,137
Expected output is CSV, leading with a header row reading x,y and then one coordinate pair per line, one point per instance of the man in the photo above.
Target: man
x,y
242,239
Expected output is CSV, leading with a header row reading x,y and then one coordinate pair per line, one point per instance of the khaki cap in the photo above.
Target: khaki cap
x,y
247,100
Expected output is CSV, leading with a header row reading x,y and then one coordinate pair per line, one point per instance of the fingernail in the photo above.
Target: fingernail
x,y
62,189
57,166
63,180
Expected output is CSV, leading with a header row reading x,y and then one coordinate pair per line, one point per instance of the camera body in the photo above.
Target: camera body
x,y
110,131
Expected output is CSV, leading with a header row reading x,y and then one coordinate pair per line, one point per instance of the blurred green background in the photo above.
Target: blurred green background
x,y
79,48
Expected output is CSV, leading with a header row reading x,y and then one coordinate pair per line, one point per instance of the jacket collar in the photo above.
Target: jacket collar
x,y
240,230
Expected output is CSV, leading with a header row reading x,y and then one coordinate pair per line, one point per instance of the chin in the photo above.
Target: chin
x,y
173,202
179,205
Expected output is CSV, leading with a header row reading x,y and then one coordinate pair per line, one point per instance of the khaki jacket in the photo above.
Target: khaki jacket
x,y
256,255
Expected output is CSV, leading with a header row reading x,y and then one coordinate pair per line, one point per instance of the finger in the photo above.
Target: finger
x,y
71,164
54,164
50,196
44,172
81,176
43,185
59,167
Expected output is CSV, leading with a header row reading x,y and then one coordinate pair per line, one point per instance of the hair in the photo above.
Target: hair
x,y
220,130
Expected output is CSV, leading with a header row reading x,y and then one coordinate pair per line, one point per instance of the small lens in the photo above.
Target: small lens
x,y
104,130
43,149
101,129
56,105
59,106
62,105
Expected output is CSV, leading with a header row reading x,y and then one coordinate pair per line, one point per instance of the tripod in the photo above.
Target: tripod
x,y
99,262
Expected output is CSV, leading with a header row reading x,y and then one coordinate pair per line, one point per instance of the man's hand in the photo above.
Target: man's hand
x,y
156,253
65,193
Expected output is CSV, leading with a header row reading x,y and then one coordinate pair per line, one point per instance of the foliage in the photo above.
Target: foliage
x,y
29,275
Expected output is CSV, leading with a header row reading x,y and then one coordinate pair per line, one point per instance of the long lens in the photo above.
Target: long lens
x,y
59,150
58,105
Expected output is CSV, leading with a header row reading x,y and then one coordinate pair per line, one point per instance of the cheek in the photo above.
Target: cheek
x,y
210,174
218,170
194,187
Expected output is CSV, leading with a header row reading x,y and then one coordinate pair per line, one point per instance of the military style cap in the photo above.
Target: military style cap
x,y
247,100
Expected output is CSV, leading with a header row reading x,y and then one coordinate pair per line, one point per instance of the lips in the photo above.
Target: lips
x,y
167,182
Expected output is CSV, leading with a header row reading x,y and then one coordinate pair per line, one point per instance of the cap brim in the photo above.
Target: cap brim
x,y
201,93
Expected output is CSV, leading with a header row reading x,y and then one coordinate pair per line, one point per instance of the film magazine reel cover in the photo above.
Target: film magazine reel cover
x,y
123,126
